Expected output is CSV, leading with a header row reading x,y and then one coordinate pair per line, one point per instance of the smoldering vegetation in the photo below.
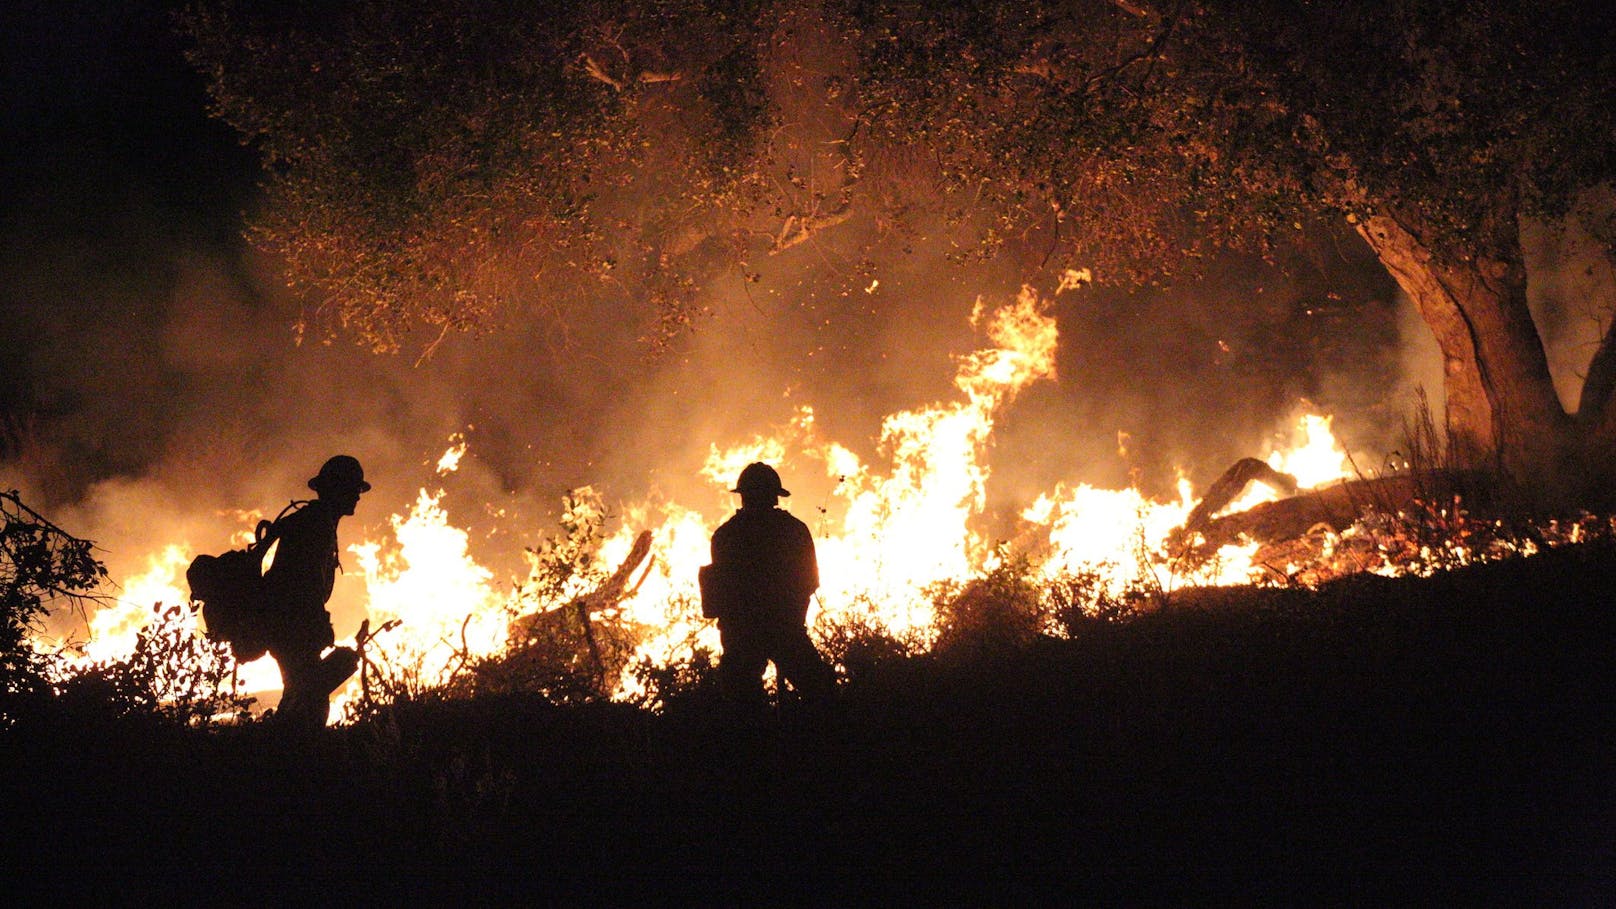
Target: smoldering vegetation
x,y
1440,739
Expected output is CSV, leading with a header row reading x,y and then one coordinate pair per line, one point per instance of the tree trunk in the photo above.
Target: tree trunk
x,y
1502,411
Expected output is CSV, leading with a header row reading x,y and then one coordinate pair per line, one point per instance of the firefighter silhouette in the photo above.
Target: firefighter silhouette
x,y
297,585
758,586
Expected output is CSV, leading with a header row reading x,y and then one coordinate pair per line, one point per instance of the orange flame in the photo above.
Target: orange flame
x,y
887,533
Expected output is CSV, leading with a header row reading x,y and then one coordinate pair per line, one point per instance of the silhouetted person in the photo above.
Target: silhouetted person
x,y
297,586
763,573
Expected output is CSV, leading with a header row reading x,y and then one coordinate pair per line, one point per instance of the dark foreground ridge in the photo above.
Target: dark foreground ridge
x,y
1379,741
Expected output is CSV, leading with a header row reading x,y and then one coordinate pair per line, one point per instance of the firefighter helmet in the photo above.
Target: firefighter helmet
x,y
759,478
340,473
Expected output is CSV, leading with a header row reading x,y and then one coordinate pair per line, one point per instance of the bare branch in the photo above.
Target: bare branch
x,y
801,229
646,77
595,72
1133,8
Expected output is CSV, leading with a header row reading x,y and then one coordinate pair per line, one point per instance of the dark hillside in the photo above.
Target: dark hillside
x,y
1379,741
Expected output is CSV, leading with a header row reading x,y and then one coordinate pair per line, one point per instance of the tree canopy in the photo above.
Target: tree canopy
x,y
431,163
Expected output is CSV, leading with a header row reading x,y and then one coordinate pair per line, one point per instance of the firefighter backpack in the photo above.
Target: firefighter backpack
x,y
229,588
719,591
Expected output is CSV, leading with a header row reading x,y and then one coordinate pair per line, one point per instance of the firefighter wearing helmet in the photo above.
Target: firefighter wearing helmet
x,y
297,585
758,586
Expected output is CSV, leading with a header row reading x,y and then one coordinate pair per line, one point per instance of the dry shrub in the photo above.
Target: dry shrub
x,y
564,654
996,615
173,674
857,644
40,565
1081,599
675,680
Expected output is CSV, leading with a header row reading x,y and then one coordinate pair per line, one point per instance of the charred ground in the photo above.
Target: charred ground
x,y
1376,740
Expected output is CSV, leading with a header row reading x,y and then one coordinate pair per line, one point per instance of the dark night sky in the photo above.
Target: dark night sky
x,y
150,368
114,177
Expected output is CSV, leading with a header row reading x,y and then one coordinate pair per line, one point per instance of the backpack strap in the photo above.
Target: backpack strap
x,y
269,531
292,506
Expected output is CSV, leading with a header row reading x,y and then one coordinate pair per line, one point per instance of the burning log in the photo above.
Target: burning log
x,y
609,594
552,624
616,587
1295,529
1226,489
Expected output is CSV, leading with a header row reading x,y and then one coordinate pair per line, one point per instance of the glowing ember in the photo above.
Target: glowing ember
x,y
450,461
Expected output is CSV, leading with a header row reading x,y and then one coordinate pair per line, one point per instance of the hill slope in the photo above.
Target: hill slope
x,y
1378,740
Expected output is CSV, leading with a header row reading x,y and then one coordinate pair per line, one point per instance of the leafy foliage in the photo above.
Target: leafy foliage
x,y
437,166
995,615
566,564
429,162
422,156
1148,131
174,674
40,565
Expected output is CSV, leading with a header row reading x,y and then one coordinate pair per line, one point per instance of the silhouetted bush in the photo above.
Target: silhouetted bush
x,y
174,674
858,645
993,616
40,565
1081,599
675,680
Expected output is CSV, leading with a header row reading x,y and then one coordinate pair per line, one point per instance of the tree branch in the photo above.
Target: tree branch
x,y
800,228
646,77
1132,8
593,70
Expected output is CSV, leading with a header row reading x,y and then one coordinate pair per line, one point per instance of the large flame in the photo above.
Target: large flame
x,y
888,532
111,631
